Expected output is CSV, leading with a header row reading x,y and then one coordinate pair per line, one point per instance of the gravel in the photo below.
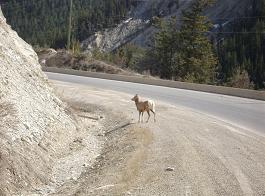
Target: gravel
x,y
207,156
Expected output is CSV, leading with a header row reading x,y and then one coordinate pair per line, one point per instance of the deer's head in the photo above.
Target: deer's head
x,y
135,98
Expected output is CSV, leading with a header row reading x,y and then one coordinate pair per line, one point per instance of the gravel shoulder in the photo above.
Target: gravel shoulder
x,y
184,153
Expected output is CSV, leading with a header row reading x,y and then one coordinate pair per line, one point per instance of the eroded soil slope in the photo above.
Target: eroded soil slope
x,y
36,127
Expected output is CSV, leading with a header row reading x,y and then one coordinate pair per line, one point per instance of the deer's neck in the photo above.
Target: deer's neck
x,y
136,102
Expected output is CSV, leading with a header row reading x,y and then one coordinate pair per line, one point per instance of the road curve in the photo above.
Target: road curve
x,y
245,113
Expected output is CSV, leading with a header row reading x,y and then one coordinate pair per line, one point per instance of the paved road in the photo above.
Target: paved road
x,y
245,113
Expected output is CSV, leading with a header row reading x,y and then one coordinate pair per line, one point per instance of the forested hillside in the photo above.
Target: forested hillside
x,y
234,45
238,43
242,47
44,22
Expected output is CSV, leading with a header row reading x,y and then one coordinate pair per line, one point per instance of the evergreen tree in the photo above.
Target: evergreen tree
x,y
186,54
165,47
197,61
244,48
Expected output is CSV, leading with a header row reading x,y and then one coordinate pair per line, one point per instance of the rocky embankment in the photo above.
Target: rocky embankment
x,y
36,128
65,59
111,39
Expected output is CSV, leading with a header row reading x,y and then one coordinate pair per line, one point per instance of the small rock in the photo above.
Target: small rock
x,y
23,139
170,169
78,140
52,181
26,126
74,178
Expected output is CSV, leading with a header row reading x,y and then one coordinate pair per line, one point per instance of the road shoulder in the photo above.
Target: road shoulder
x,y
207,156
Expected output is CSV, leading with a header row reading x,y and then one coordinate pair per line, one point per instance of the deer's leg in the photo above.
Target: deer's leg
x,y
154,115
139,117
148,112
142,116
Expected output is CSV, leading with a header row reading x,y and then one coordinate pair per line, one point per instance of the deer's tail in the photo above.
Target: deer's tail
x,y
152,105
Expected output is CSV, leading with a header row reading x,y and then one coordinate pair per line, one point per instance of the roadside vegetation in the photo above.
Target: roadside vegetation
x,y
78,61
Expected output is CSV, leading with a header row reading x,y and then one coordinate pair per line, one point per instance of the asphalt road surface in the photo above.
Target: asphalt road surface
x,y
245,113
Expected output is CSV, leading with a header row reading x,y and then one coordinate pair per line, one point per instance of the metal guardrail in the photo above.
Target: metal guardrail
x,y
244,93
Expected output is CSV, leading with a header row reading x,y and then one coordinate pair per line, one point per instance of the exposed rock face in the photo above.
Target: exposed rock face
x,y
223,11
111,39
32,118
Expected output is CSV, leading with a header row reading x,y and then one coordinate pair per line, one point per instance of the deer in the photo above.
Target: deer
x,y
143,106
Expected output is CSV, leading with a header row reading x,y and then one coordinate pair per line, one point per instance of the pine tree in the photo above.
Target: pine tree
x,y
165,47
198,61
246,49
70,25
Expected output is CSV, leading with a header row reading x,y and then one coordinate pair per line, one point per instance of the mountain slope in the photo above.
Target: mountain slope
x,y
223,11
45,23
